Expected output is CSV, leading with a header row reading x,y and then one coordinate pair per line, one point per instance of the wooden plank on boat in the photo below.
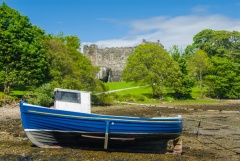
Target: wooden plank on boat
x,y
94,137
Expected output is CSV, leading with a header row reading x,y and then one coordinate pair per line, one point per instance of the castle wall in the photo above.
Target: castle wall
x,y
108,58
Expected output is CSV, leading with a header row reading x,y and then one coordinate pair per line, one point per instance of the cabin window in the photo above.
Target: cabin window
x,y
68,97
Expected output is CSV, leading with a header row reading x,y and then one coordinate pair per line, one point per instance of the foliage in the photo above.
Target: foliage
x,y
22,57
131,98
175,53
68,68
197,94
151,65
198,65
184,90
41,96
223,78
103,99
217,43
222,48
6,99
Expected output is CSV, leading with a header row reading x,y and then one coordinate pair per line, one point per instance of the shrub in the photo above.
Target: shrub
x,y
5,99
131,98
103,99
168,98
41,96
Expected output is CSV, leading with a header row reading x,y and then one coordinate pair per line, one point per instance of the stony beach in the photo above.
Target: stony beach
x,y
210,132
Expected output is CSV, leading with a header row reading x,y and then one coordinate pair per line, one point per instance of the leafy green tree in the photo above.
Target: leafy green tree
x,y
234,49
217,43
224,44
187,82
151,65
22,56
198,65
175,53
223,79
68,68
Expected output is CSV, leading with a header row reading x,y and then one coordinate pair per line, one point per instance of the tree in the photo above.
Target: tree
x,y
68,68
217,43
151,65
187,82
175,53
22,57
223,79
234,49
221,44
198,65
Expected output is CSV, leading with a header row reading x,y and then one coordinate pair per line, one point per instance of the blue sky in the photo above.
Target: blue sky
x,y
117,23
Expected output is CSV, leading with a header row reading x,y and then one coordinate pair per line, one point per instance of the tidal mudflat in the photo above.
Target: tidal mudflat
x,y
210,132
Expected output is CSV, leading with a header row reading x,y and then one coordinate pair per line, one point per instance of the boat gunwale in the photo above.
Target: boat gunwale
x,y
73,114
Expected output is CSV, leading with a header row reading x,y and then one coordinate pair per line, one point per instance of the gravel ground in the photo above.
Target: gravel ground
x,y
9,113
217,126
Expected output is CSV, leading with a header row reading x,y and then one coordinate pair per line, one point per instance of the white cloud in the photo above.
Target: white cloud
x,y
170,30
201,9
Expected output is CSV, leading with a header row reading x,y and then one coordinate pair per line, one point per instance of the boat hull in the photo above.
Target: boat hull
x,y
46,127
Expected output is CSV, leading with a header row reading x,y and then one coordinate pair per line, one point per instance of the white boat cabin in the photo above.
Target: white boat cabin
x,y
72,100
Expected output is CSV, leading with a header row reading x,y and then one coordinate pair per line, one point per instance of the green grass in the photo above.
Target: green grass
x,y
16,91
136,91
123,85
119,85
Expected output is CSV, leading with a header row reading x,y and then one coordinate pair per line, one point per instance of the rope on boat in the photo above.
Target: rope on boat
x,y
198,132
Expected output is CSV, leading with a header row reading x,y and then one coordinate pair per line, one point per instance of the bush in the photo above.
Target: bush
x,y
5,99
168,99
131,98
103,99
41,96
141,98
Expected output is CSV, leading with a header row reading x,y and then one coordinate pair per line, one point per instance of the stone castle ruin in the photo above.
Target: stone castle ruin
x,y
111,61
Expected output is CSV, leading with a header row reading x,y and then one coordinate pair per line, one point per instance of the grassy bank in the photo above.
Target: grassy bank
x,y
146,91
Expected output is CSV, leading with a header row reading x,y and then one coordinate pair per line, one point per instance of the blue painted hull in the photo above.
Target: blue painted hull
x,y
47,127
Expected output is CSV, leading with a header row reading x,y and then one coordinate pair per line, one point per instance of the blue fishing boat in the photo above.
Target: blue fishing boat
x,y
65,127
